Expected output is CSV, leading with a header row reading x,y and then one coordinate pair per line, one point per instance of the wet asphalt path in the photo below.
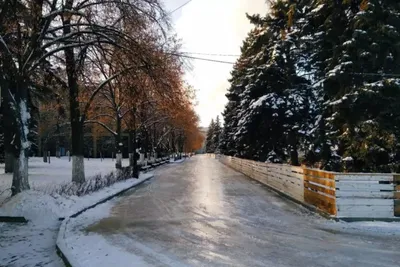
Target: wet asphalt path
x,y
202,213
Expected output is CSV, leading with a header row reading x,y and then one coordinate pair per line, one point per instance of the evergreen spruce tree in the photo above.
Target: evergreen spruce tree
x,y
356,52
210,147
259,85
274,100
322,77
216,135
229,144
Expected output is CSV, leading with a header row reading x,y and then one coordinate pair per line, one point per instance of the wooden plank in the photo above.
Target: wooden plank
x,y
329,191
364,202
291,174
322,197
260,175
319,174
396,195
364,208
365,214
396,178
363,194
324,203
396,204
363,177
295,169
326,182
370,187
297,194
365,211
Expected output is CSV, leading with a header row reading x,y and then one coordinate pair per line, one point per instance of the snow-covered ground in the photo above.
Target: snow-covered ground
x,y
33,244
201,213
35,205
73,241
43,176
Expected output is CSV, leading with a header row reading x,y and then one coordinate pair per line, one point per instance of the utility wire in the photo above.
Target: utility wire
x,y
176,9
186,55
210,54
204,59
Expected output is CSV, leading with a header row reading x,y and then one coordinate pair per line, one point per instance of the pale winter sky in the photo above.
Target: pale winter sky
x,y
217,27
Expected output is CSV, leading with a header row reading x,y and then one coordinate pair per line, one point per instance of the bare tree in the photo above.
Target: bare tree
x,y
34,36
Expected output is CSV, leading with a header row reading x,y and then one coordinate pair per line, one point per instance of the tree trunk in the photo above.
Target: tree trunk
x,y
173,142
78,168
8,135
9,162
20,176
44,153
135,166
130,148
94,146
118,145
20,139
294,156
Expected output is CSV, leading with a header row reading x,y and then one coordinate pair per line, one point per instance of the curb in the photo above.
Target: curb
x,y
12,219
362,219
61,247
76,214
175,162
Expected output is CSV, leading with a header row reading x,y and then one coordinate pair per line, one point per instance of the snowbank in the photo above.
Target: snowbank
x,y
74,243
36,205
44,176
33,244
177,161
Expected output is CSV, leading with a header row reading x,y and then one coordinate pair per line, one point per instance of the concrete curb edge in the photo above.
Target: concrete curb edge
x,y
61,246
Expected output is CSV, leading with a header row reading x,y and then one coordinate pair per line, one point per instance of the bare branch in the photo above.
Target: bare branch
x,y
103,125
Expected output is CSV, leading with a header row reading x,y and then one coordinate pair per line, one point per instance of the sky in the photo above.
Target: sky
x,y
212,27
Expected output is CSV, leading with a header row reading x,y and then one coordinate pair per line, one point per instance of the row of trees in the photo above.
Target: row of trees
x,y
72,67
318,82
214,132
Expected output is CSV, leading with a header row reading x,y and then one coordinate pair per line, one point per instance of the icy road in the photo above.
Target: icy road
x,y
202,213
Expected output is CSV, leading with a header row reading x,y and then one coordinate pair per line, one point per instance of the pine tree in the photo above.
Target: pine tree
x,y
229,144
355,47
274,101
216,135
318,76
210,147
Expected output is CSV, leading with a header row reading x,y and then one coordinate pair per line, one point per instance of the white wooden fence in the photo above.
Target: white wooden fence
x,y
341,195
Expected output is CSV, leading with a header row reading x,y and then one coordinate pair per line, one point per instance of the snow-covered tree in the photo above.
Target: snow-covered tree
x,y
321,77
354,54
216,134
210,146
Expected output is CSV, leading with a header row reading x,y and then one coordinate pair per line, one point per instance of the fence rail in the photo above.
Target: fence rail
x,y
341,195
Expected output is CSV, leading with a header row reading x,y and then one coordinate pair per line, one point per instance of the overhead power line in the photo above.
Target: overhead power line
x,y
187,55
210,54
204,59
176,9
